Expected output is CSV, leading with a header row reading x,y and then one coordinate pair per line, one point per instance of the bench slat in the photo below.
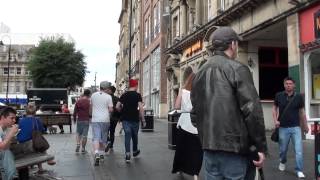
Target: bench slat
x,y
33,159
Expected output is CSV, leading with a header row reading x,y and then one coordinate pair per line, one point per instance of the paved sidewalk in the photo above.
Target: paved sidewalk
x,y
154,163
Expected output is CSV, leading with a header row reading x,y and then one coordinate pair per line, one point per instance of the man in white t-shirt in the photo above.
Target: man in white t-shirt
x,y
102,106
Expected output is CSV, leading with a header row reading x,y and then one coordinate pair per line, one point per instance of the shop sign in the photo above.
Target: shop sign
x,y
317,24
190,51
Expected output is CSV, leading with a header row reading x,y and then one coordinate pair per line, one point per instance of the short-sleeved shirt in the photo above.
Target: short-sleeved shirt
x,y
291,117
129,101
101,102
27,125
81,109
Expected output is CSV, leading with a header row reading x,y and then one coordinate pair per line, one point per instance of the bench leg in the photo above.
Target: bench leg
x,y
24,174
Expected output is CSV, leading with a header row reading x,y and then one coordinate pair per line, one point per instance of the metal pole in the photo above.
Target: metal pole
x,y
95,81
9,58
130,24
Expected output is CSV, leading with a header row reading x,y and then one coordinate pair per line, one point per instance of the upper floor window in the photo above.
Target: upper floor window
x,y
5,70
156,19
18,70
11,70
210,9
146,33
221,6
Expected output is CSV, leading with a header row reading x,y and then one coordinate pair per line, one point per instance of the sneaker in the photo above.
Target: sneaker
x,y
96,159
136,153
77,148
127,158
282,166
300,175
101,157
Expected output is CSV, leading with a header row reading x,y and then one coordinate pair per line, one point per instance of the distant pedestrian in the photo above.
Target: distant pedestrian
x,y
64,109
189,154
81,115
288,108
131,107
101,103
228,113
114,119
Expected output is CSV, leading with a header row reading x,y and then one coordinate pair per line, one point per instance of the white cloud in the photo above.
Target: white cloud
x,y
93,24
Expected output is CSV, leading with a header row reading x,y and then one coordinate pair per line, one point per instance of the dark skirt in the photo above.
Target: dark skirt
x,y
188,155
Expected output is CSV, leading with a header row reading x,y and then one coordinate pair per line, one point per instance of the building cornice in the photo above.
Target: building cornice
x,y
223,19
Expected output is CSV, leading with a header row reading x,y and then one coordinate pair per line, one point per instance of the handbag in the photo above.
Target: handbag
x,y
275,133
39,143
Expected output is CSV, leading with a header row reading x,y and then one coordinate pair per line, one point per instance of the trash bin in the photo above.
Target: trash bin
x,y
149,117
173,118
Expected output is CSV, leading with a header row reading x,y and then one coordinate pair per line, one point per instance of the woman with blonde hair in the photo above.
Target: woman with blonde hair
x,y
189,154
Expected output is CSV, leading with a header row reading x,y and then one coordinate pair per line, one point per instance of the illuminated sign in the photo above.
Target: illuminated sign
x,y
317,24
196,47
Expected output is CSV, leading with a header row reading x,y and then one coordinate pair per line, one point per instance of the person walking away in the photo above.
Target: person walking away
x,y
227,112
130,105
115,117
8,130
287,110
27,124
101,104
189,154
81,116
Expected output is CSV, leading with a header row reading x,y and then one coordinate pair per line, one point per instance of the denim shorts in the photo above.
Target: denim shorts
x,y
82,128
100,131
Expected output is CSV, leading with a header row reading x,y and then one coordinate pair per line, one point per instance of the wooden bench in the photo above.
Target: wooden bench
x,y
24,162
56,119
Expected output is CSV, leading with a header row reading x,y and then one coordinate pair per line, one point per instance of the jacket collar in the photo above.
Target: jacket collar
x,y
221,53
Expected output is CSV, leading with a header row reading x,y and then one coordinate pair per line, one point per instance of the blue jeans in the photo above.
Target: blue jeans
x,y
131,129
221,165
7,165
294,133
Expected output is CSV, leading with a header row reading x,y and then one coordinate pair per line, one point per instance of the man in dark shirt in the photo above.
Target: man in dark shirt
x,y
131,106
288,121
81,114
115,116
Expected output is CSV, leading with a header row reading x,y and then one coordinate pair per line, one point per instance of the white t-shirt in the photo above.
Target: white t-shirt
x,y
185,121
101,102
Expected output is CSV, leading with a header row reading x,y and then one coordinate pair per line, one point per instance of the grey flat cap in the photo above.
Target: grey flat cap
x,y
105,84
225,34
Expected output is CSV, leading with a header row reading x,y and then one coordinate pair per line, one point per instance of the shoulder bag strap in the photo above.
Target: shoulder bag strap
x,y
287,106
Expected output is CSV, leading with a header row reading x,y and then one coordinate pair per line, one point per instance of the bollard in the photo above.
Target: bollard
x,y
316,131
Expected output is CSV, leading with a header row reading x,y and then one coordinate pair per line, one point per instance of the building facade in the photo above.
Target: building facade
x,y
14,68
143,52
122,64
271,32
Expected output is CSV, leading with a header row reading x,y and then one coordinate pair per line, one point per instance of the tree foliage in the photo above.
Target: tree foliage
x,y
56,63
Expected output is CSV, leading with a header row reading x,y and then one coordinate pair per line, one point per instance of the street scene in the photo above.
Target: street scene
x,y
160,89
155,161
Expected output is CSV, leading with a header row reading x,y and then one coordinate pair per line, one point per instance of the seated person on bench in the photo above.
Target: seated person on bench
x,y
26,124
8,130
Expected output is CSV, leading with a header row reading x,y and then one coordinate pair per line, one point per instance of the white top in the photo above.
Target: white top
x,y
101,102
185,120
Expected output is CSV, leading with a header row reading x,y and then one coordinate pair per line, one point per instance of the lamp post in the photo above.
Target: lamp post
x,y
8,66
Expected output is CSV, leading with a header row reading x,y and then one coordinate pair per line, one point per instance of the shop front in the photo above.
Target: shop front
x,y
309,22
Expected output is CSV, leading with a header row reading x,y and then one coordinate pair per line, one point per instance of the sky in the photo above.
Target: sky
x,y
93,24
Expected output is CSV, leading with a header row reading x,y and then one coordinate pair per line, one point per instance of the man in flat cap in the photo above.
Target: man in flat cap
x,y
102,106
228,113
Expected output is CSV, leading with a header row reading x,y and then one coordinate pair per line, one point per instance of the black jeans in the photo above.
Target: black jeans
x,y
112,129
